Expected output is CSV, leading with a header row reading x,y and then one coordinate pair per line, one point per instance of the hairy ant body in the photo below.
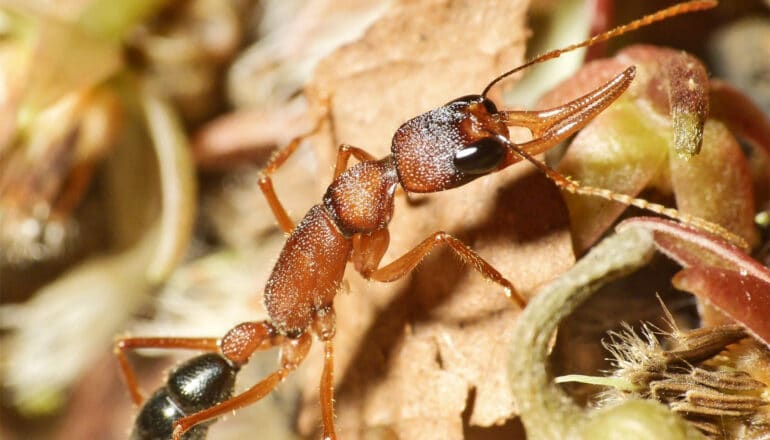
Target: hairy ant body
x,y
442,149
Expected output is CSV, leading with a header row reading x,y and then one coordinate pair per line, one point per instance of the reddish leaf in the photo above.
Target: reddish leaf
x,y
692,247
678,86
715,271
750,123
743,297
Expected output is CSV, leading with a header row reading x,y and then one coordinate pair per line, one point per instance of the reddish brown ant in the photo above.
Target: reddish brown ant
x,y
442,149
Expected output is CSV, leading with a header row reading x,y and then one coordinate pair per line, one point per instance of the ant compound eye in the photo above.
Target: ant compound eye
x,y
467,99
475,99
481,157
490,106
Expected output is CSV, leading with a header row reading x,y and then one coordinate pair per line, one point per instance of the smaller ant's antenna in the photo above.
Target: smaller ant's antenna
x,y
682,8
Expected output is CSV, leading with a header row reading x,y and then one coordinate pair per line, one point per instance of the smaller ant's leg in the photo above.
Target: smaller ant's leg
x,y
124,344
266,182
404,264
293,351
343,155
324,327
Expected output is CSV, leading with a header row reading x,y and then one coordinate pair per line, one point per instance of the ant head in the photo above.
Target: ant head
x,y
467,138
451,145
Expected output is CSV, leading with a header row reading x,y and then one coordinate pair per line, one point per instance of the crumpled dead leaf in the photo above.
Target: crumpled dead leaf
x,y
410,353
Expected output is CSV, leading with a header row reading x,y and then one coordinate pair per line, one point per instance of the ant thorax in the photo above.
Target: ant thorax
x,y
361,199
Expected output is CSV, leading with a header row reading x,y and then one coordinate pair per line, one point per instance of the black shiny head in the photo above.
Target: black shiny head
x,y
197,384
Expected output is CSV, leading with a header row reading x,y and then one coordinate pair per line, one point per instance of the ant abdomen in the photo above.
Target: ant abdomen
x,y
156,420
197,384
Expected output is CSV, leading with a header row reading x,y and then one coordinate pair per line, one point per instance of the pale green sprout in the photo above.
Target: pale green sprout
x,y
612,382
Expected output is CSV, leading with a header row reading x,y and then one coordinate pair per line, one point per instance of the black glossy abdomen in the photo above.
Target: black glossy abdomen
x,y
197,384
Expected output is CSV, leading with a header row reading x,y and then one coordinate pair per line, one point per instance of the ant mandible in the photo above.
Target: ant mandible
x,y
444,148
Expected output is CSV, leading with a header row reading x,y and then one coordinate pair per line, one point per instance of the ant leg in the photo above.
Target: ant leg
x,y
124,344
266,183
237,345
343,155
327,392
324,327
574,187
293,351
368,250
404,264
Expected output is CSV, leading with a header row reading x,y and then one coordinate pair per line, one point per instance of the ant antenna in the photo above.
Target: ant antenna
x,y
574,187
682,8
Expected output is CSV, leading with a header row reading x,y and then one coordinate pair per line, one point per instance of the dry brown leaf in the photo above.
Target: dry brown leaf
x,y
410,353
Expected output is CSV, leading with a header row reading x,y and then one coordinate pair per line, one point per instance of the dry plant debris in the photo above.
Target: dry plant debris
x,y
720,388
713,377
